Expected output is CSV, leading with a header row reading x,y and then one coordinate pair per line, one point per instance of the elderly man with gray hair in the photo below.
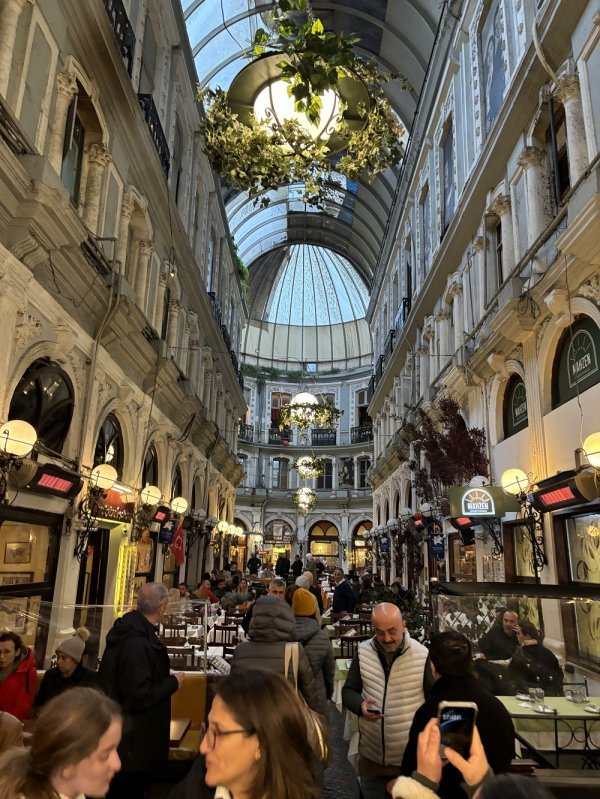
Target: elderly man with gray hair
x,y
135,671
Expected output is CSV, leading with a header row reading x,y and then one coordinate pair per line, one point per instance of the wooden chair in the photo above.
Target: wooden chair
x,y
349,645
179,661
224,634
172,630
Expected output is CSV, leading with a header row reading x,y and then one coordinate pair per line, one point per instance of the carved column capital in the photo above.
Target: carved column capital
x,y
478,244
98,154
146,248
66,84
501,205
442,316
568,88
531,156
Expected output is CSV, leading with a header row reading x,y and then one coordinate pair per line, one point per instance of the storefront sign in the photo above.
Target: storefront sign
x,y
582,359
480,502
115,507
167,531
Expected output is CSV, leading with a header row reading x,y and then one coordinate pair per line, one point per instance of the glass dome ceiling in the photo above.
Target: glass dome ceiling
x,y
315,286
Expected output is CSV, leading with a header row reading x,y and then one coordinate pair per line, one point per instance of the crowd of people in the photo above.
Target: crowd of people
x,y
107,732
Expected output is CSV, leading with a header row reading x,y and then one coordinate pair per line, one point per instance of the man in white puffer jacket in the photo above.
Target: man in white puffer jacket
x,y
386,674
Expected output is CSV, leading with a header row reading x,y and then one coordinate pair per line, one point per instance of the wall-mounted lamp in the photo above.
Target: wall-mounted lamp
x,y
17,439
102,479
516,483
147,511
591,450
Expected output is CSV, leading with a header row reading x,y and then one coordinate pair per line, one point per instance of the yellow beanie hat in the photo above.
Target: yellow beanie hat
x,y
304,603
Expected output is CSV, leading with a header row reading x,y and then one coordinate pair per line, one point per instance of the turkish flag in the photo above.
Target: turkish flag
x,y
176,545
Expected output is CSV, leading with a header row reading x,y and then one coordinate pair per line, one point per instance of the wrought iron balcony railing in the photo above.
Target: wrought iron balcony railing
x,y
156,131
123,31
246,432
362,434
281,437
323,438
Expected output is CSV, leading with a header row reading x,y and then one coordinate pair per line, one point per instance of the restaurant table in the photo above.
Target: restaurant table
x,y
177,731
570,719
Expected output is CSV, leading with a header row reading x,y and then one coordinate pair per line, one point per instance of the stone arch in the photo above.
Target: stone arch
x,y
547,349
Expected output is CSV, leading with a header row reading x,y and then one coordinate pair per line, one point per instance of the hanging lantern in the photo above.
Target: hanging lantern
x,y
304,409
308,467
305,499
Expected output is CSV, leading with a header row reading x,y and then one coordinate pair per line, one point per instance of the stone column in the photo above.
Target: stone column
x,y
423,353
66,87
98,157
182,355
533,161
502,208
569,94
173,324
10,11
194,364
161,288
478,257
207,378
443,318
140,284
456,291
127,208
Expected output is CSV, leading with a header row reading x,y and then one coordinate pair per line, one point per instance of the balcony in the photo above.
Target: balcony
x,y
403,312
280,437
246,432
361,435
323,438
158,137
123,31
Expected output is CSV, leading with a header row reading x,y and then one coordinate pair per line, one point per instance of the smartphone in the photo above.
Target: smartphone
x,y
373,709
456,720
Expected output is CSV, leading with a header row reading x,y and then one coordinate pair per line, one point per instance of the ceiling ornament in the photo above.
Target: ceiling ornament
x,y
304,410
305,499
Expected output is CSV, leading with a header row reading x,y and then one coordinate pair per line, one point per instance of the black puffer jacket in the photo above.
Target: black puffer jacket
x,y
317,646
271,627
135,671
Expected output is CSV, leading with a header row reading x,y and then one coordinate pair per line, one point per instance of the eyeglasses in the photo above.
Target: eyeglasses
x,y
210,735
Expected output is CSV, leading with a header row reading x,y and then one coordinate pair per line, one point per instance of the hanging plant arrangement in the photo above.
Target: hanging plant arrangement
x,y
304,414
308,467
337,105
305,499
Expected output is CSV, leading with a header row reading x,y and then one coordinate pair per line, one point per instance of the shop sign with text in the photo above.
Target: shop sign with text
x,y
480,502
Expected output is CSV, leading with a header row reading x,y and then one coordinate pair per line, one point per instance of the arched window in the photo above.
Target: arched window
x,y
364,464
150,468
324,541
515,406
177,483
44,398
576,362
109,444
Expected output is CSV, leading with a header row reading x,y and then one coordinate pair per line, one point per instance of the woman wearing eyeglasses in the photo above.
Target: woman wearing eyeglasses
x,y
249,751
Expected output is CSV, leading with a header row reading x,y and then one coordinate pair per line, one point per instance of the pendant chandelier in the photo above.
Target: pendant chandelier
x,y
304,410
305,499
303,98
308,467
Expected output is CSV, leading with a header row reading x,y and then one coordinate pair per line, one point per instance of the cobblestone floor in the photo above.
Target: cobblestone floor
x,y
340,777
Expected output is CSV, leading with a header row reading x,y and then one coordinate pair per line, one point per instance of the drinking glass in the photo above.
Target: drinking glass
x,y
532,694
539,695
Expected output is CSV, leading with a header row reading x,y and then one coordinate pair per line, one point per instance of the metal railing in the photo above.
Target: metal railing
x,y
156,131
323,438
12,133
277,436
246,432
123,31
362,434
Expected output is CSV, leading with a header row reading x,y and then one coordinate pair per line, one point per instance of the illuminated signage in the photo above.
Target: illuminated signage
x,y
480,503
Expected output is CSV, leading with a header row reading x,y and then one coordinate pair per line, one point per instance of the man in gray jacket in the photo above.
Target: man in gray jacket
x,y
272,626
384,688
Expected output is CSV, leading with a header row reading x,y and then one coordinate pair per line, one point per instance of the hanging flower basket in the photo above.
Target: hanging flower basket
x,y
305,499
308,467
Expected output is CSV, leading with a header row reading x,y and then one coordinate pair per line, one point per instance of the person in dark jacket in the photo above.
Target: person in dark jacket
x,y
500,642
451,663
282,567
297,567
271,627
533,665
69,671
344,598
135,671
316,643
18,676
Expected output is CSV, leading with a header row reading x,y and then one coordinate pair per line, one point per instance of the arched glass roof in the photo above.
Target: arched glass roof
x,y
316,286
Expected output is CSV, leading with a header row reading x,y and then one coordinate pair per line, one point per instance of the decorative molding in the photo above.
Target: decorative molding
x,y
27,329
591,289
531,156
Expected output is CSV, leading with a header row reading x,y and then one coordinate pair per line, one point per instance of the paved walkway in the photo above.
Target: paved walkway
x,y
340,777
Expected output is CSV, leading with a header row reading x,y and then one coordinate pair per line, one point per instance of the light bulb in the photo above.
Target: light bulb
x,y
591,447
514,482
179,505
150,495
17,438
103,476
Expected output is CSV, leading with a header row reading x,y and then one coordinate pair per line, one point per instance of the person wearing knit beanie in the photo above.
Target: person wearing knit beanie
x,y
69,671
304,603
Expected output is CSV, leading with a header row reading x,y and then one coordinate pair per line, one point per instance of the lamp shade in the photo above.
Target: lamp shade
x,y
17,438
223,526
150,495
406,514
103,476
304,398
426,510
514,481
179,505
591,447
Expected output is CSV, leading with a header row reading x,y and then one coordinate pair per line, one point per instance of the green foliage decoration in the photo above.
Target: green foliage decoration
x,y
256,160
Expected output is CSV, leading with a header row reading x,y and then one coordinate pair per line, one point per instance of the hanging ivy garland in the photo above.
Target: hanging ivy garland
x,y
255,159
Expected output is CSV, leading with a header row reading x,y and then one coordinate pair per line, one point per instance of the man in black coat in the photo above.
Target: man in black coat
x,y
135,671
451,663
344,598
282,567
500,642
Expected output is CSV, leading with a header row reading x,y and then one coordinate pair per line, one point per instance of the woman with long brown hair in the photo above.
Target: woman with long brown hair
x,y
73,750
256,745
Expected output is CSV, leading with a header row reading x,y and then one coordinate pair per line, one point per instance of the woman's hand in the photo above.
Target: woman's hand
x,y
476,767
429,762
